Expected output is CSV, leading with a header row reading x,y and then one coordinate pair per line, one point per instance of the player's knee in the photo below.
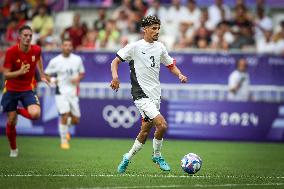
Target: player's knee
x,y
144,134
75,121
162,126
12,121
35,114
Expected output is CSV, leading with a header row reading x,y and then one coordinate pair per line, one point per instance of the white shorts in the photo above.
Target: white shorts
x,y
67,104
148,108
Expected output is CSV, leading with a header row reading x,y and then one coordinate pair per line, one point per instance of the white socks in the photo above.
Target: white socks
x,y
135,148
63,130
157,145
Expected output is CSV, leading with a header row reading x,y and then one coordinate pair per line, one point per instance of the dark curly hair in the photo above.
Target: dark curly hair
x,y
150,20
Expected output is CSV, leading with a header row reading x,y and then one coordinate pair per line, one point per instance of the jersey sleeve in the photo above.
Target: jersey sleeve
x,y
51,68
8,59
126,53
165,57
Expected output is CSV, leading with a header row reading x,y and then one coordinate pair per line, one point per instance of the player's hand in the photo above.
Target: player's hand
x,y
182,78
75,80
25,68
115,84
45,80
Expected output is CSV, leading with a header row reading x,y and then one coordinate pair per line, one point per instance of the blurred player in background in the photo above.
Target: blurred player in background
x,y
20,65
144,58
66,70
239,82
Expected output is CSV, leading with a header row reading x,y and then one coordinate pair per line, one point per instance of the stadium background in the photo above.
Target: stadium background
x,y
196,112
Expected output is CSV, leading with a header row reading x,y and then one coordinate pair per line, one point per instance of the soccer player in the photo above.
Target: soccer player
x,y
67,70
20,65
144,58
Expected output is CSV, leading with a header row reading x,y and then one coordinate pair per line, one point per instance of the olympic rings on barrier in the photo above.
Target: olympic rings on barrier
x,y
121,116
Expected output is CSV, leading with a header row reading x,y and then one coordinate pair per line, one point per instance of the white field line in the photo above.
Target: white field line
x,y
187,186
141,175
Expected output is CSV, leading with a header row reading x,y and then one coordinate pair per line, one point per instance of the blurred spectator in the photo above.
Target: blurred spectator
x,y
192,17
202,38
204,21
260,4
175,16
239,82
218,12
266,44
3,28
222,37
123,23
279,39
89,41
244,39
100,22
109,37
12,32
125,6
262,23
76,32
42,25
5,8
183,39
157,10
241,18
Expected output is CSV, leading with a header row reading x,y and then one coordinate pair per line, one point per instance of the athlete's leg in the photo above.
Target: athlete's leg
x,y
74,119
63,131
31,103
11,129
141,138
137,146
9,104
161,128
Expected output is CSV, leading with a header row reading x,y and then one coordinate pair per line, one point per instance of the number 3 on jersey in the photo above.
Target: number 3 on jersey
x,y
153,61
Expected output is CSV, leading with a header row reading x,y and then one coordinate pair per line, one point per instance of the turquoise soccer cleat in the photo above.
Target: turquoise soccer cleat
x,y
162,163
123,164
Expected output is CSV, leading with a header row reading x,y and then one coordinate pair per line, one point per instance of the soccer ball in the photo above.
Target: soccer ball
x,y
191,163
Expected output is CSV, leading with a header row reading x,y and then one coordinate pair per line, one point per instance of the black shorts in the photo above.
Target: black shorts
x,y
10,100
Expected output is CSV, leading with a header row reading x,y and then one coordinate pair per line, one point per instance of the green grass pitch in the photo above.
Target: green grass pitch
x,y
92,163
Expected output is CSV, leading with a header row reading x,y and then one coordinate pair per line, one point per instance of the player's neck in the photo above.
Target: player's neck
x,y
66,54
24,48
148,40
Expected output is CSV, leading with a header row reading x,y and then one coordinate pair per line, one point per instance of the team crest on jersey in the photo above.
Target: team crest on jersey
x,y
33,58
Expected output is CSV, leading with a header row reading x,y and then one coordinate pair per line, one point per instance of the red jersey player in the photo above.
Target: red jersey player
x,y
20,66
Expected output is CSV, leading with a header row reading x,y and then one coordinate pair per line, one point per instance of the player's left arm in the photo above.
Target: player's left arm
x,y
171,64
41,72
81,69
176,71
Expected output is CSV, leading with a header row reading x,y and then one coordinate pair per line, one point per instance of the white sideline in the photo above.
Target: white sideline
x,y
140,175
183,186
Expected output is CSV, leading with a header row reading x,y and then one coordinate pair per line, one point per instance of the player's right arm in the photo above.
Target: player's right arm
x,y
8,64
122,55
8,74
114,72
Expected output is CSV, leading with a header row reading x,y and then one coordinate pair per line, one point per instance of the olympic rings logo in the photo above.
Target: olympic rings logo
x,y
121,116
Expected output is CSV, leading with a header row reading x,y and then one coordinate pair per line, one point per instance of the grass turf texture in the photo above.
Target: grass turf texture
x,y
92,163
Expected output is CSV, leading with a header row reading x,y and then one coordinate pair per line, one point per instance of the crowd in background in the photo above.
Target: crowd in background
x,y
184,26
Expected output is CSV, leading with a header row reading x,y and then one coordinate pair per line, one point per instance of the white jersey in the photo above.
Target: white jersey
x,y
242,94
65,69
144,60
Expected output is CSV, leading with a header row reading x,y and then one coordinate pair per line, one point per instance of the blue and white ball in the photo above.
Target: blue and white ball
x,y
191,163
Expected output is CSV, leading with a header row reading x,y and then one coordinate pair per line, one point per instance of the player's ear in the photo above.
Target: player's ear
x,y
144,29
